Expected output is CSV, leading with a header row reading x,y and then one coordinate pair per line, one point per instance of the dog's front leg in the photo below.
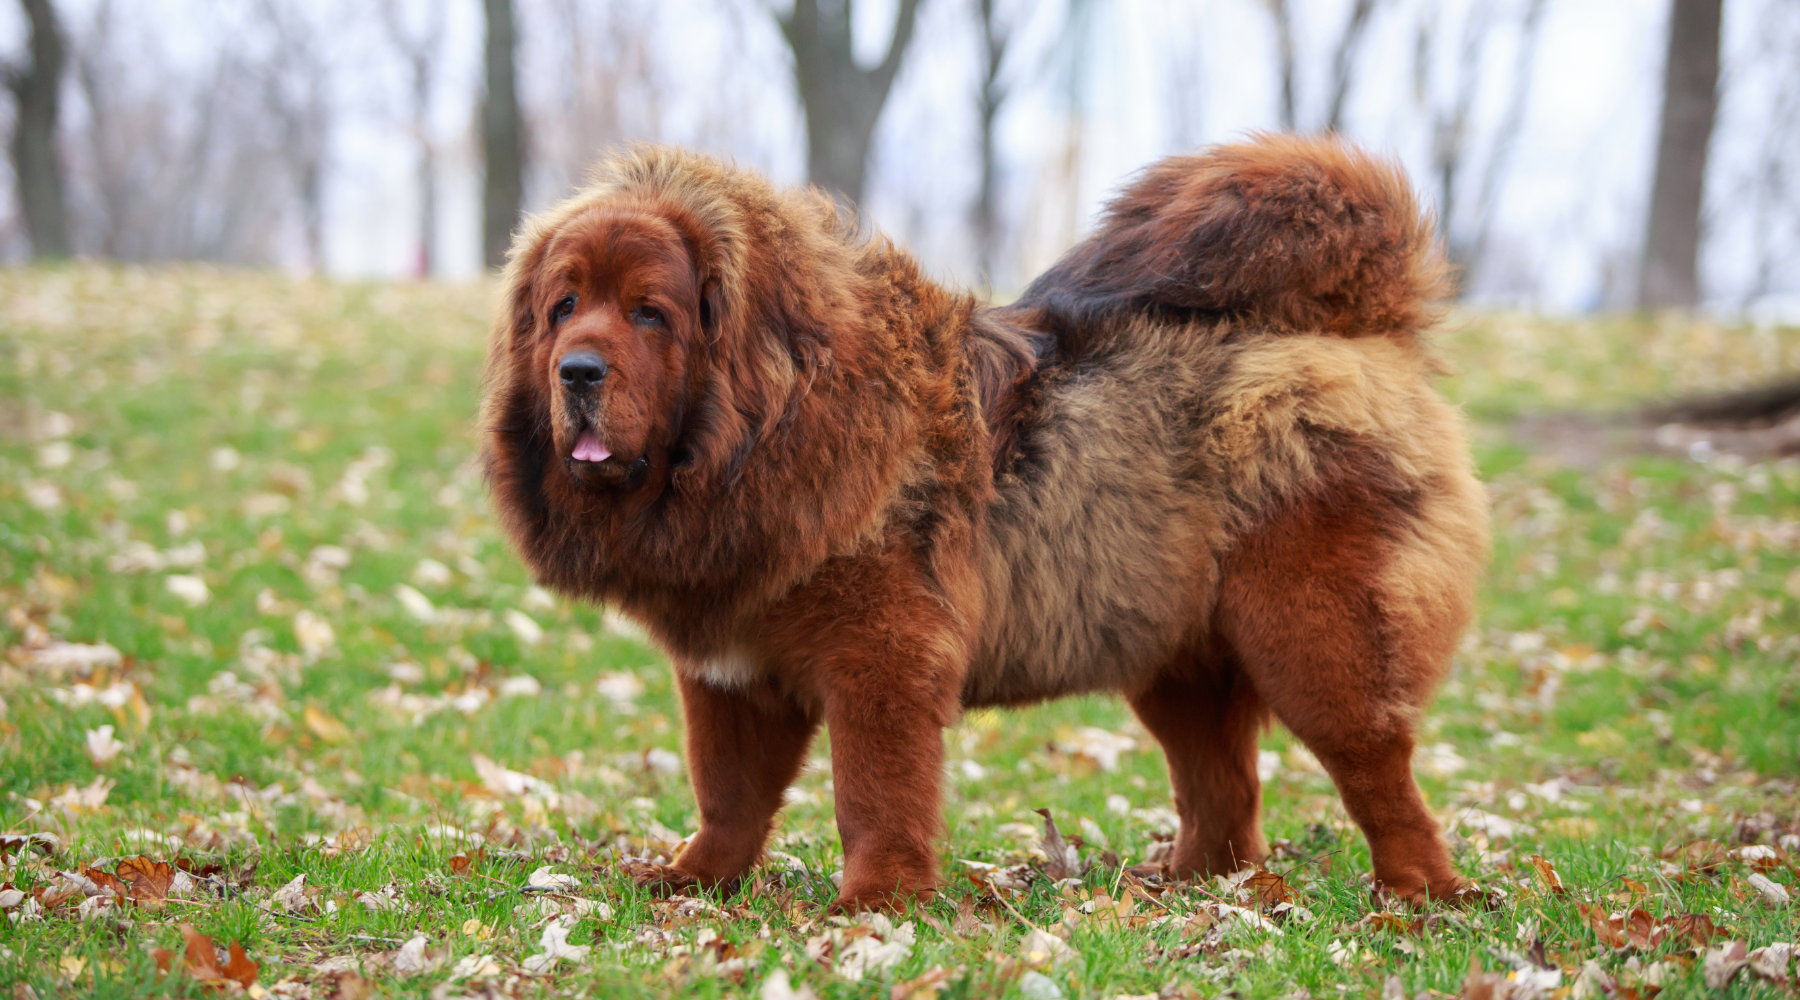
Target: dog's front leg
x,y
886,715
745,746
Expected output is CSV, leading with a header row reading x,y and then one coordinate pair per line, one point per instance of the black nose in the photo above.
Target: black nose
x,y
581,370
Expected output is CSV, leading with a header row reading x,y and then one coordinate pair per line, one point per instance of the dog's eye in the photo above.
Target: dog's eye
x,y
646,316
564,308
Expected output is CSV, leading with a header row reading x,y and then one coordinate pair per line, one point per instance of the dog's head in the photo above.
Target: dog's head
x,y
633,353
621,315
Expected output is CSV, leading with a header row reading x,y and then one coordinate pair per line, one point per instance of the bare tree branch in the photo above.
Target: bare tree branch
x,y
1285,61
1343,64
842,101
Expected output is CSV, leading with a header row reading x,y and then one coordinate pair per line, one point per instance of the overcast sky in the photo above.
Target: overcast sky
x,y
1143,78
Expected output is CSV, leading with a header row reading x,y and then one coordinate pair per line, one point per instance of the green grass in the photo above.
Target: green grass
x,y
305,450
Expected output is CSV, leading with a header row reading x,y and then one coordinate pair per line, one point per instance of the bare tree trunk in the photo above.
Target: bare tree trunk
x,y
1343,65
502,137
994,39
842,100
1450,129
1690,102
295,94
420,51
1506,136
1284,56
36,165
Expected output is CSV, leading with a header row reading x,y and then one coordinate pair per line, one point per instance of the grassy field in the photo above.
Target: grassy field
x,y
270,672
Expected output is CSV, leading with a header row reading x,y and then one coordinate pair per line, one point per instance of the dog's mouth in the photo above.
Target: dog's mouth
x,y
594,464
589,449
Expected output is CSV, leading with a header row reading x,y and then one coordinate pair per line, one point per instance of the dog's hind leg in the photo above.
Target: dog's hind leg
x,y
1344,610
745,746
1207,722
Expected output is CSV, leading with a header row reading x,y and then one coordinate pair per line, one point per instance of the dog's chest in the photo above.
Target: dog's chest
x,y
730,669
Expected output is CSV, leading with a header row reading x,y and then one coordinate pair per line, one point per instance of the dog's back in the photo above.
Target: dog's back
x,y
1240,334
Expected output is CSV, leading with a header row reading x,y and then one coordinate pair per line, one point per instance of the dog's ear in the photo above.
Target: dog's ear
x,y
508,393
711,308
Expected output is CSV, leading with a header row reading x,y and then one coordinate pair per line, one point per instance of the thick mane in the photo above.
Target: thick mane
x,y
825,362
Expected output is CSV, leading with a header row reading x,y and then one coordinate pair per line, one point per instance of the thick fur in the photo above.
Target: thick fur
x,y
1199,463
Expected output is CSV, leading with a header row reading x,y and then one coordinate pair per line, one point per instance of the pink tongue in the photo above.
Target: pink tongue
x,y
589,449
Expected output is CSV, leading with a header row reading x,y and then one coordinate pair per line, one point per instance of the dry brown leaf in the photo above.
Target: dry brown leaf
x,y
1609,930
207,870
1547,872
463,865
1642,930
1383,920
1064,861
149,880
925,987
1270,888
107,881
49,897
325,726
46,843
967,923
1696,928
1632,889
202,961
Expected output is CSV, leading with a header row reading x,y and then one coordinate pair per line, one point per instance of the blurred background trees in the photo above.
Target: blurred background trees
x,y
1580,154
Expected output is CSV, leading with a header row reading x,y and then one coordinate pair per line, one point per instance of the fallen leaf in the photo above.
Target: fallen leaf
x,y
351,986
1771,962
1773,892
555,942
101,746
1547,872
1040,949
107,882
545,878
474,967
1609,930
150,880
1642,930
1697,928
202,961
47,843
1063,861
1724,962
324,726
924,987
412,959
240,969
1270,888
778,987
1383,920
292,896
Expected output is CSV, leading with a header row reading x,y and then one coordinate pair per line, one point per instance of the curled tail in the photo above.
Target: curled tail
x,y
1308,234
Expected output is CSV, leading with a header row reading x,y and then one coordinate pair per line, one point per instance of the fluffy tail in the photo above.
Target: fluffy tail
x,y
1307,234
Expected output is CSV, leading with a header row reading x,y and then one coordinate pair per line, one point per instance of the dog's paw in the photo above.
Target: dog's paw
x,y
661,880
1419,895
879,901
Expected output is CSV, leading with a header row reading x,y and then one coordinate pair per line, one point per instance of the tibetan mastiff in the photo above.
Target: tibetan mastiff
x,y
1200,462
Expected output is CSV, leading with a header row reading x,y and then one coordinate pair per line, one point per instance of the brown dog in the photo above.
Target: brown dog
x,y
1200,463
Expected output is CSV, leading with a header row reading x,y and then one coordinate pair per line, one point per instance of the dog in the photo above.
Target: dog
x,y
1200,462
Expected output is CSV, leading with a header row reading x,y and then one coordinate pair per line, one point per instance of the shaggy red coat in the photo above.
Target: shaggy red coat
x,y
1200,463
